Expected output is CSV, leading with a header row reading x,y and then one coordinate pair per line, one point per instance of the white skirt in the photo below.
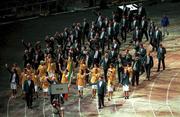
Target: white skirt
x,y
94,86
13,86
125,88
45,90
80,88
110,88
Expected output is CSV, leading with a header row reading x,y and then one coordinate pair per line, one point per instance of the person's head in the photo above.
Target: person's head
x,y
111,65
106,55
161,45
29,77
127,51
141,45
101,78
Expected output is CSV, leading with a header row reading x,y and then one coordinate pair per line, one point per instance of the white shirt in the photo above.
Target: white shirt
x,y
109,30
96,54
114,24
142,23
102,35
100,83
148,60
106,59
134,23
156,33
137,33
29,82
115,45
13,78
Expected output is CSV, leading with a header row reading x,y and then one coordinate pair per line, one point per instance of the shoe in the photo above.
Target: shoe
x,y
127,97
109,99
99,107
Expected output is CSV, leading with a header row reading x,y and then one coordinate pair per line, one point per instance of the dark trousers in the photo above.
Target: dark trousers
x,y
115,37
135,77
159,63
123,33
148,71
100,100
146,34
29,99
120,72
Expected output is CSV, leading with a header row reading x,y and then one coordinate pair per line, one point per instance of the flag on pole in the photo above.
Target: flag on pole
x,y
70,71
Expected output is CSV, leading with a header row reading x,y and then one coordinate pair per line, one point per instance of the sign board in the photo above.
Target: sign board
x,y
59,88
131,6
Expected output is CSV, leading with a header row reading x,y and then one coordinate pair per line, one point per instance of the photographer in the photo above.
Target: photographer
x,y
57,109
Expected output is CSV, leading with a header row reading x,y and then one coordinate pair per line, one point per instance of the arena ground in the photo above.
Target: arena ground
x,y
159,97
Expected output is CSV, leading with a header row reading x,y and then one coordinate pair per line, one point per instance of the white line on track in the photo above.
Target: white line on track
x,y
167,94
8,106
115,105
44,115
133,103
80,114
97,107
152,86
25,110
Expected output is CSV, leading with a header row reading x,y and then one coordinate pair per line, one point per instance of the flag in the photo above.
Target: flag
x,y
70,72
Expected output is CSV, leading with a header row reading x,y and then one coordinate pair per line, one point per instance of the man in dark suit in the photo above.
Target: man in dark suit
x,y
124,26
157,38
136,35
101,87
141,12
109,34
135,23
144,26
102,39
105,64
161,56
148,62
115,30
136,69
85,30
29,90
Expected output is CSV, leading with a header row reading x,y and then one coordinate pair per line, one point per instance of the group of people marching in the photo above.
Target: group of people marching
x,y
92,52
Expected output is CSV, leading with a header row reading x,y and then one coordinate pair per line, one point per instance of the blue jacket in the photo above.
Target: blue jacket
x,y
165,21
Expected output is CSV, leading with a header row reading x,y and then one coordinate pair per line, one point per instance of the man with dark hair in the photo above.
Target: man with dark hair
x,y
101,87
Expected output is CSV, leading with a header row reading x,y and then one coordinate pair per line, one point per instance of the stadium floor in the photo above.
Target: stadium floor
x,y
159,97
